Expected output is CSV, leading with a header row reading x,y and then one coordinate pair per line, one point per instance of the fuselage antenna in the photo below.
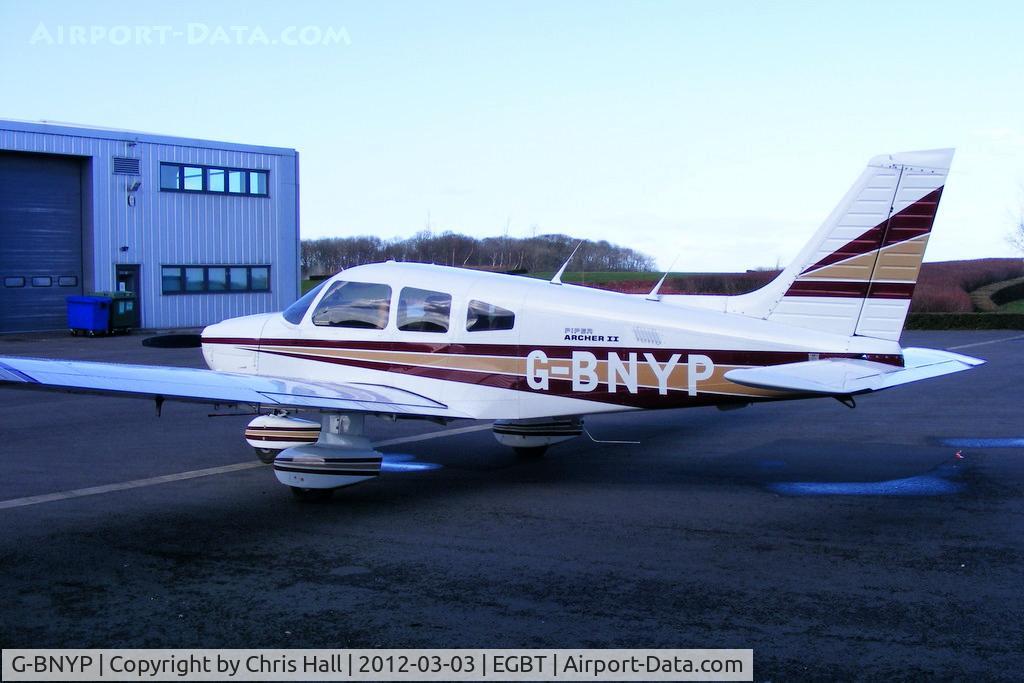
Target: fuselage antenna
x,y
654,295
557,279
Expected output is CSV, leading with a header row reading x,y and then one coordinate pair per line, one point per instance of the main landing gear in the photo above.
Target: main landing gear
x,y
315,459
530,438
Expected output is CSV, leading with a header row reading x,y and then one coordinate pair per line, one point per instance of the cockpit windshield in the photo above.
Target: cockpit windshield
x,y
297,310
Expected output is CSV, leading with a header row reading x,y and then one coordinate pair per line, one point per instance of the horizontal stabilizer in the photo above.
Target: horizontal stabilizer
x,y
847,376
210,386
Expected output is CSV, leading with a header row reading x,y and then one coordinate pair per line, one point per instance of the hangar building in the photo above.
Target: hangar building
x,y
199,230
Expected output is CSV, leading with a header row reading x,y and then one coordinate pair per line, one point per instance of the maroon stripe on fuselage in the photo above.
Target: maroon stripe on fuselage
x,y
644,398
913,221
719,356
560,386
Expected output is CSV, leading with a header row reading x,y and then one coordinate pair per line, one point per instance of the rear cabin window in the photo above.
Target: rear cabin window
x,y
421,310
297,310
482,317
354,304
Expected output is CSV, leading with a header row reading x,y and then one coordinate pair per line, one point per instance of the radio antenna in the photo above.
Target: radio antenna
x,y
654,295
557,279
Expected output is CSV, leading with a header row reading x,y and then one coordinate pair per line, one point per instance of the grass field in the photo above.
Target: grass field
x,y
1013,307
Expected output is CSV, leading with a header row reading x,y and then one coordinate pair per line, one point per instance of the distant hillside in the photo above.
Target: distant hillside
x,y
943,286
511,254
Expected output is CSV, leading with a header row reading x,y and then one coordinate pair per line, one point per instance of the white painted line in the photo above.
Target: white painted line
x,y
208,472
985,343
124,486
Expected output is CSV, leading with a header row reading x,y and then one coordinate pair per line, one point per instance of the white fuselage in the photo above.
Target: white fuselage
x,y
571,350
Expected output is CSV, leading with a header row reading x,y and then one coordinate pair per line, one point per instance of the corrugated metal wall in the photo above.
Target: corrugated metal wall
x,y
172,228
40,239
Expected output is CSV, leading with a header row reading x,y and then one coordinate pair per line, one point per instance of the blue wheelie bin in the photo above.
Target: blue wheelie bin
x,y
88,314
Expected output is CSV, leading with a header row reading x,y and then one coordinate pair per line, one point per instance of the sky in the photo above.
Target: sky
x,y
715,135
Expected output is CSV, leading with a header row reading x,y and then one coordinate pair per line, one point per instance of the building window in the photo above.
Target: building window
x,y
421,310
354,304
214,279
238,279
170,177
195,279
67,281
14,281
258,182
236,182
484,317
171,276
42,281
193,178
214,180
259,279
217,279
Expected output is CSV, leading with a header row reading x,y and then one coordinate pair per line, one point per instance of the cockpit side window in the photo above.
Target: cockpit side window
x,y
297,310
354,304
421,310
483,317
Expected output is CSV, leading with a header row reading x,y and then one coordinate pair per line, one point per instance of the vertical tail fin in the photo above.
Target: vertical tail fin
x,y
857,274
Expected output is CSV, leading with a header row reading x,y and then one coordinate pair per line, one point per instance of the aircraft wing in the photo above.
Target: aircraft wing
x,y
847,376
210,386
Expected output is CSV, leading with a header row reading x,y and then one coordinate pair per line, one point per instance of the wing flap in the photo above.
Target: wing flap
x,y
210,386
847,376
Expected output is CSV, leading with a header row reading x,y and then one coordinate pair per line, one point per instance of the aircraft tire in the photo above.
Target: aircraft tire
x,y
531,453
266,455
311,495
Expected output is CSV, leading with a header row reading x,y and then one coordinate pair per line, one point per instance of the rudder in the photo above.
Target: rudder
x,y
857,275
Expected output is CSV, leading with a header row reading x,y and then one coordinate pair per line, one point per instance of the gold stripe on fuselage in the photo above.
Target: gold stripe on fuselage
x,y
559,368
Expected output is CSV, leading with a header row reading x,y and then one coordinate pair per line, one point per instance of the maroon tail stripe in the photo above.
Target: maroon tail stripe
x,y
891,290
852,290
829,288
913,221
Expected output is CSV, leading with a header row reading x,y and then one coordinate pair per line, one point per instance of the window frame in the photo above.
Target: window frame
x,y
388,318
469,307
205,289
399,311
245,173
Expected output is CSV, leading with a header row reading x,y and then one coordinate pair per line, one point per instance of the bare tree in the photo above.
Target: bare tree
x,y
1016,236
538,253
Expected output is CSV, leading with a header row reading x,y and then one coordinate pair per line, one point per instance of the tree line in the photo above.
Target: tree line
x,y
542,253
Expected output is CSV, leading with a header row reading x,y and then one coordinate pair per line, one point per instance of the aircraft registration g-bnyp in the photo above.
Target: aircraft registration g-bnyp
x,y
410,340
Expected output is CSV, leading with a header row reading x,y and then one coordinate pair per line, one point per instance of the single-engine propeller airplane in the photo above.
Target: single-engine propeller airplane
x,y
406,340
